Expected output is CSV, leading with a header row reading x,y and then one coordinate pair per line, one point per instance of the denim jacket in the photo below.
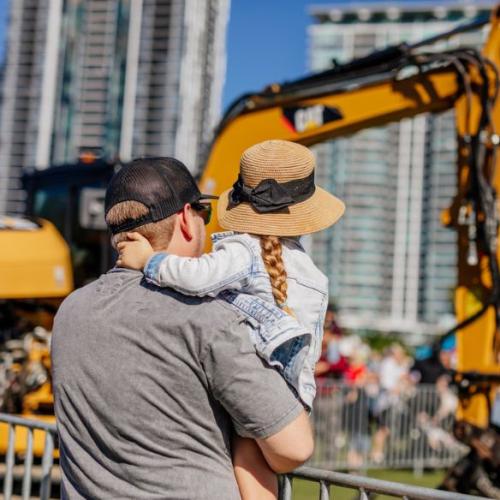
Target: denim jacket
x,y
235,271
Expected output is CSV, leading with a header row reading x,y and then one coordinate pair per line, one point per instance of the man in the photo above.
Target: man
x,y
149,383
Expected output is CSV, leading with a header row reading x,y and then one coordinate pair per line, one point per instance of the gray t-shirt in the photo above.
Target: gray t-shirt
x,y
147,383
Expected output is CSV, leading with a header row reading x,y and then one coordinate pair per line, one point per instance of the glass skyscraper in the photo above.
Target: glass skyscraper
x,y
391,264
111,78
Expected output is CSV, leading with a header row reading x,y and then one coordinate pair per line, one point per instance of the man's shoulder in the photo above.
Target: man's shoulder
x,y
127,288
106,284
215,312
77,295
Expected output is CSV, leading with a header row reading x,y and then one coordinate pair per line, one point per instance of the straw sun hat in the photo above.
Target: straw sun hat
x,y
275,193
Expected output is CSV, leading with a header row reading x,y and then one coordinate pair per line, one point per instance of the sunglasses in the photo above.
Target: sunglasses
x,y
204,211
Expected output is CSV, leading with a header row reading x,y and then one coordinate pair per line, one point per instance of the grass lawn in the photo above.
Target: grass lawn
x,y
305,490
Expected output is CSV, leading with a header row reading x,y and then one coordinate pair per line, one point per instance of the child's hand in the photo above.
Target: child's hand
x,y
134,253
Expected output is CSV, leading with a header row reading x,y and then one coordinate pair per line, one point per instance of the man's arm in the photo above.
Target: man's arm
x,y
257,398
291,447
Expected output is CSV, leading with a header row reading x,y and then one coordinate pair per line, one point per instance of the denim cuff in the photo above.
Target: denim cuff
x,y
152,267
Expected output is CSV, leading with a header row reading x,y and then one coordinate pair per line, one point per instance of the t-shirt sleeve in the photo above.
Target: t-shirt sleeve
x,y
255,395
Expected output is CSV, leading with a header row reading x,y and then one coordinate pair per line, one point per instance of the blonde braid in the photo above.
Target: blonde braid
x,y
273,260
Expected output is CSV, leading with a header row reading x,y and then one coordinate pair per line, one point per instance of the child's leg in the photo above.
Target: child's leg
x,y
255,479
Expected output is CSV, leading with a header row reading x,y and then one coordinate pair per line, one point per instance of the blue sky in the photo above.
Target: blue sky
x,y
266,42
3,19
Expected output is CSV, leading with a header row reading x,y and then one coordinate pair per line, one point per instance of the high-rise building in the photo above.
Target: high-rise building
x,y
114,78
391,264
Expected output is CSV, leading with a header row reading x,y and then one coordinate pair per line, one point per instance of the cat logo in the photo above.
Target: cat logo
x,y
304,118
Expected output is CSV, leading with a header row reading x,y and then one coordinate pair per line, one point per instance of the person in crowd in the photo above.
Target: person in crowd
x,y
448,400
428,369
435,420
393,374
331,364
272,204
150,383
328,373
357,403
357,354
393,368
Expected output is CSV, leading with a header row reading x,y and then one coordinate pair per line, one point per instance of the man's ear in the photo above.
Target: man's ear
x,y
186,222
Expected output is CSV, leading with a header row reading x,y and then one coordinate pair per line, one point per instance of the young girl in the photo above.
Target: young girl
x,y
273,202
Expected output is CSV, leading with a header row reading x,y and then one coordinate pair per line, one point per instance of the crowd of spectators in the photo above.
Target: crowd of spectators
x,y
377,381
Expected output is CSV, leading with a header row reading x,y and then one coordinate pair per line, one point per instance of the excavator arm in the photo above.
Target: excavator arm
x,y
388,86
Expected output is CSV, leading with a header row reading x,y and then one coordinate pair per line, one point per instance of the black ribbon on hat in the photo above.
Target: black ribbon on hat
x,y
270,195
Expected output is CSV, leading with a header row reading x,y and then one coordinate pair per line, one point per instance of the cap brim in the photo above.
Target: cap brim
x,y
318,212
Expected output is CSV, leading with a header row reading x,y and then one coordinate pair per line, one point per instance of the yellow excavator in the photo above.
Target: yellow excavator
x,y
35,276
372,91
369,92
399,82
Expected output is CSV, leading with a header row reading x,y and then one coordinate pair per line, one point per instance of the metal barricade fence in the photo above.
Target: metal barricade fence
x,y
358,428
364,485
325,479
20,448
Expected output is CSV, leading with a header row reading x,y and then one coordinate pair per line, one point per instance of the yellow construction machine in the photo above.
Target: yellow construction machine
x,y
370,92
35,275
42,258
399,82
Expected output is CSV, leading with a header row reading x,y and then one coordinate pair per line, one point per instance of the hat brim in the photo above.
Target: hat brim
x,y
318,212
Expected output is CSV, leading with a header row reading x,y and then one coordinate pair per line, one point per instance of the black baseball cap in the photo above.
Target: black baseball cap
x,y
163,184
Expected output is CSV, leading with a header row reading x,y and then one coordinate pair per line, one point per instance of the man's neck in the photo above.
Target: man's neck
x,y
181,248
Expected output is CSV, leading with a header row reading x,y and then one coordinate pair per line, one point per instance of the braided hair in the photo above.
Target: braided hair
x,y
275,267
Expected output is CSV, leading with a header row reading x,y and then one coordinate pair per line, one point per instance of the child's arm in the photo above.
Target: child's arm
x,y
229,266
